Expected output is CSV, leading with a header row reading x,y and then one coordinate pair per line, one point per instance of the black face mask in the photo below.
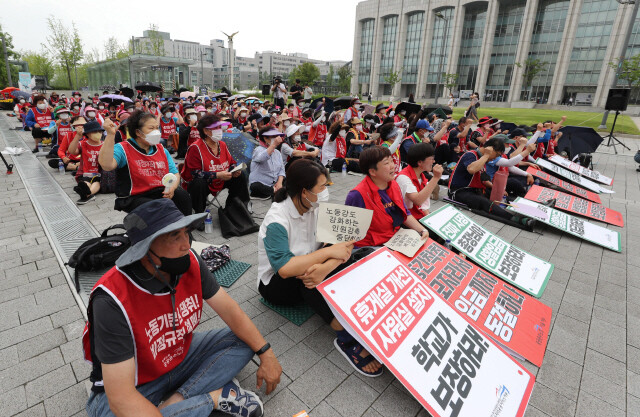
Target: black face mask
x,y
174,266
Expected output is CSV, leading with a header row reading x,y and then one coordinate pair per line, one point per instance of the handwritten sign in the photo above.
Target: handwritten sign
x,y
501,258
571,176
405,241
575,205
339,223
566,186
577,168
438,354
576,226
511,318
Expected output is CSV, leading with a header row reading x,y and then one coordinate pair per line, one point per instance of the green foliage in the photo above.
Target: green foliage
x,y
307,73
155,44
532,67
344,78
11,54
39,63
65,45
450,80
629,70
330,75
114,50
393,77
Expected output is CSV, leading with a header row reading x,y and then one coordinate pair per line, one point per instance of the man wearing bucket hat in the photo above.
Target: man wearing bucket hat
x,y
141,339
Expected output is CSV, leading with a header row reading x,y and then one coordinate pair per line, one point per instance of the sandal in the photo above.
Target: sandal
x,y
351,352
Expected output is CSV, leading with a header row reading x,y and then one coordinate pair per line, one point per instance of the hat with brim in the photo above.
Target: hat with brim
x,y
217,125
190,111
150,220
91,127
504,138
80,121
293,129
272,133
517,132
380,106
355,121
283,117
485,120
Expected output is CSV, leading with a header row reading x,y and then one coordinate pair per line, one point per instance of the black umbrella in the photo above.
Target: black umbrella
x,y
578,139
342,102
410,108
127,92
148,86
430,108
182,90
328,105
509,127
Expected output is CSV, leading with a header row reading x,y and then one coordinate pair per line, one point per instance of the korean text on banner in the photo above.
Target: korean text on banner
x,y
566,186
514,320
339,223
576,226
448,365
571,176
508,262
579,169
575,205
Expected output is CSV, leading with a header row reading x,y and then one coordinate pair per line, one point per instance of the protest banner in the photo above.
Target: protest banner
x,y
439,355
339,223
516,321
579,169
576,226
575,205
406,241
571,176
512,264
567,186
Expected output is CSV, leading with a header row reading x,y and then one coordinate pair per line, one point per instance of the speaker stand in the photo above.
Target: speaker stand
x,y
612,139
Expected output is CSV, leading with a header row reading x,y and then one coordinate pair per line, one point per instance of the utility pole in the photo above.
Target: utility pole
x,y
627,36
202,69
6,62
231,58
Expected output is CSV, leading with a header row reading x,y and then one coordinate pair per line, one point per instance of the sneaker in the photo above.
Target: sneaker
x,y
84,201
255,197
242,404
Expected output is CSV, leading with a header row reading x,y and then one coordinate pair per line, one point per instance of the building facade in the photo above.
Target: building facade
x,y
431,47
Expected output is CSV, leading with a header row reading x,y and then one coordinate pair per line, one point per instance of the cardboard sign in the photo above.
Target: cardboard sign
x,y
576,226
339,223
571,176
512,264
511,318
567,186
579,169
448,365
575,205
406,241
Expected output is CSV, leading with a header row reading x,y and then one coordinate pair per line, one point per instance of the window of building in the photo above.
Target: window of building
x,y
366,50
388,50
439,45
475,17
411,60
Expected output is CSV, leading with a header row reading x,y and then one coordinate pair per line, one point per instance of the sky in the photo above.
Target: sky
x,y
323,30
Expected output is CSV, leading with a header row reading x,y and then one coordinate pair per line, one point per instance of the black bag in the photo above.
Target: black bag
x,y
584,159
107,181
99,252
235,219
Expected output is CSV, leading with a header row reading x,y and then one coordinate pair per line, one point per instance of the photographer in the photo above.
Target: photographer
x,y
279,92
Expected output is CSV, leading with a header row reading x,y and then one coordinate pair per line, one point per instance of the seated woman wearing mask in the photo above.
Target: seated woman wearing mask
x,y
291,263
141,163
267,169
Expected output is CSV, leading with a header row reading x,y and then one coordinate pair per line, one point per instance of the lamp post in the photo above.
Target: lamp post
x,y
444,45
627,36
231,59
202,69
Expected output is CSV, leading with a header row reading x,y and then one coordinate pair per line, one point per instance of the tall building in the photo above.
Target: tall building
x,y
276,63
414,46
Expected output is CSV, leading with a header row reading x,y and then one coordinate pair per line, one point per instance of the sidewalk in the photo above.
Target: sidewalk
x,y
591,368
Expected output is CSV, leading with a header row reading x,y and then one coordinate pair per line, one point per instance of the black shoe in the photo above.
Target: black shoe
x,y
528,223
86,200
550,203
36,150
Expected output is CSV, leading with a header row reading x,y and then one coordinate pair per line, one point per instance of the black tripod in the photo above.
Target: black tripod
x,y
612,138
8,165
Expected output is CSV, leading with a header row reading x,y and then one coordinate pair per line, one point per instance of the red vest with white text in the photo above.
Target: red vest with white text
x,y
145,171
89,158
167,128
43,119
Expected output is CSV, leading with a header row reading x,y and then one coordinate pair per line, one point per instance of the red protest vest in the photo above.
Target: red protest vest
x,y
209,163
145,171
43,119
167,128
158,348
194,135
317,134
409,172
381,228
64,128
476,181
395,156
341,147
89,158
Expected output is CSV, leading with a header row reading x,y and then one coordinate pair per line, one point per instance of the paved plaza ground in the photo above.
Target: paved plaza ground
x,y
591,366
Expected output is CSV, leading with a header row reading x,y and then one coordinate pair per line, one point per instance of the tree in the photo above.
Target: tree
x,y
450,80
306,72
39,63
532,67
629,70
155,44
330,76
393,77
4,82
65,45
344,78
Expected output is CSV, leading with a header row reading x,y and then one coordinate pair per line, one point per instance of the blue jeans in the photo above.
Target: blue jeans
x,y
214,358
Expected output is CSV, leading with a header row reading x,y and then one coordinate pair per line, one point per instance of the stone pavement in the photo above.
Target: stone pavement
x,y
591,367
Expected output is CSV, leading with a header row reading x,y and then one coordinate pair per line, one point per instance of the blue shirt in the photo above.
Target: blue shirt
x,y
121,158
266,168
545,138
354,199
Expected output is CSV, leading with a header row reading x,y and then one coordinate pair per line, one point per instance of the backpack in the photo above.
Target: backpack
x,y
99,252
235,219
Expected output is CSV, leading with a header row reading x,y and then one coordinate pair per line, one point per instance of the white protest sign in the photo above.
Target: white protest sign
x,y
531,211
573,225
405,241
339,223
512,264
571,176
439,355
572,166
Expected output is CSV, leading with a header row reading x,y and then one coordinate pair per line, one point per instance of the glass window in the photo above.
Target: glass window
x,y
387,53
412,48
439,45
366,50
475,17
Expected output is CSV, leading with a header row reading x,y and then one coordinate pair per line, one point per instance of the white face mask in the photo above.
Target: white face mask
x,y
359,128
42,106
91,114
287,123
193,118
402,113
296,138
322,196
64,116
152,109
100,107
323,119
343,133
21,101
153,137
243,115
216,135
167,115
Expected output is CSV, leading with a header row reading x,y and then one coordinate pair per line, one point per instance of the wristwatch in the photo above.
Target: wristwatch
x,y
263,349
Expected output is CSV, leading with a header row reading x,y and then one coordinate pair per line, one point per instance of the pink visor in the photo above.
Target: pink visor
x,y
217,125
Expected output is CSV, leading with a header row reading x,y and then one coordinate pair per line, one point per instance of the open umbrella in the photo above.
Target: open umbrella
x,y
578,139
181,90
430,108
506,126
410,108
148,87
9,89
328,105
236,97
20,94
342,102
240,145
187,94
114,99
127,92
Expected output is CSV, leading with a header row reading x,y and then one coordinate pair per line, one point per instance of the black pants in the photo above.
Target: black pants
x,y
181,199
199,190
54,162
352,166
517,186
478,201
279,102
261,190
445,154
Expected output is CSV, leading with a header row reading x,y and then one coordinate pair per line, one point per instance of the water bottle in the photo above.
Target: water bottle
x,y
344,169
208,223
447,244
61,167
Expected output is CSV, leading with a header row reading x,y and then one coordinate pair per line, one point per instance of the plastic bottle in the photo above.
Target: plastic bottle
x,y
208,223
61,167
447,244
344,169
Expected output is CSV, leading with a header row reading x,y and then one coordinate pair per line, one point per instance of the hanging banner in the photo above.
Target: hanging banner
x,y
439,355
567,186
579,169
576,226
571,176
514,320
575,205
512,264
